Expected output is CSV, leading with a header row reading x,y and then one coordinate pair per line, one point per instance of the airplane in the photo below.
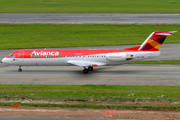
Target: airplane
x,y
89,58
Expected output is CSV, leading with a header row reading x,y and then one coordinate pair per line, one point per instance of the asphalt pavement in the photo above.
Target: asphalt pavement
x,y
95,18
148,75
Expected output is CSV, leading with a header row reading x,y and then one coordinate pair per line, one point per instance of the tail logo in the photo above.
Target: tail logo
x,y
156,43
155,40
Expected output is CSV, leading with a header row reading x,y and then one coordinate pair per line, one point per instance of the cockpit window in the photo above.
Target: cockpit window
x,y
12,55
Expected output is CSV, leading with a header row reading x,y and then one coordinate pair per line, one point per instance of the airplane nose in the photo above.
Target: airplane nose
x,y
3,60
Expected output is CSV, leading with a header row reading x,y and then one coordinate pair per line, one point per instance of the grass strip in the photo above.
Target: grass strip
x,y
165,62
89,90
56,36
174,107
91,96
89,6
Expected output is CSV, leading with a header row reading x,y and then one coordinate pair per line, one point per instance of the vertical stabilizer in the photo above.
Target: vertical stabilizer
x,y
155,40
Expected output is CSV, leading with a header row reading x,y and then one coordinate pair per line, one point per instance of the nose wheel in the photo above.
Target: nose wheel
x,y
86,70
19,70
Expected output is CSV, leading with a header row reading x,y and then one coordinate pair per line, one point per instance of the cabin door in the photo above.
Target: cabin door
x,y
21,56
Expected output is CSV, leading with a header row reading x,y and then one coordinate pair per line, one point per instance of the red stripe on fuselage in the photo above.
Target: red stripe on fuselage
x,y
30,53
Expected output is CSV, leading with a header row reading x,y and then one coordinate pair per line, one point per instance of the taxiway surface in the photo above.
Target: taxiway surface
x,y
167,75
89,18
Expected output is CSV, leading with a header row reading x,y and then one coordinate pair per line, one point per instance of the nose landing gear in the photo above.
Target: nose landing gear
x,y
86,70
19,70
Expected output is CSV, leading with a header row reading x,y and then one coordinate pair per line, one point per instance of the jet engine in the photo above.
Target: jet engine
x,y
116,57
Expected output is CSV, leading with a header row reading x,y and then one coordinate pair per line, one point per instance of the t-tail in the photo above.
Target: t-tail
x,y
155,40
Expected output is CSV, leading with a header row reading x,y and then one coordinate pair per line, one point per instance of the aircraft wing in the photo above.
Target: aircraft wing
x,y
83,63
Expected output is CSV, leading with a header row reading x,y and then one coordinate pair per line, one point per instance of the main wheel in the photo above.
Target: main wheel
x,y
90,68
20,70
85,71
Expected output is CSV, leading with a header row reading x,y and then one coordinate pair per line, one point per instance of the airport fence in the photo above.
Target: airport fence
x,y
88,101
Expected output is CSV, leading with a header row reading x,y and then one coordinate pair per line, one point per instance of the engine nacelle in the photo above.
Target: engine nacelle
x,y
116,57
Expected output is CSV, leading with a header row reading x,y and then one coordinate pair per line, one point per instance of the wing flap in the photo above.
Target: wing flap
x,y
83,63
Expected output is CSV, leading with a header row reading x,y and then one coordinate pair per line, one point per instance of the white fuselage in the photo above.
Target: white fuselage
x,y
62,61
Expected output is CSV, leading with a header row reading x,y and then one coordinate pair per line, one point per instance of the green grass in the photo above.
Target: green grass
x,y
91,96
89,6
174,107
168,62
90,90
54,36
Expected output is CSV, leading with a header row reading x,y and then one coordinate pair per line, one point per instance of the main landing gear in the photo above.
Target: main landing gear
x,y
19,70
86,70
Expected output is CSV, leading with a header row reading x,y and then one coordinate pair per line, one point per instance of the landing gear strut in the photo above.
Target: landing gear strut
x,y
20,70
86,70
